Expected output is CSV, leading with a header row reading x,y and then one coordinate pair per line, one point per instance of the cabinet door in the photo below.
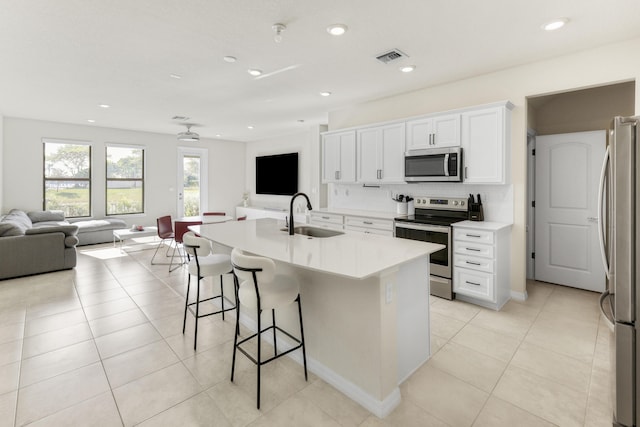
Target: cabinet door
x,y
392,153
419,134
339,157
483,143
369,143
330,157
347,157
446,131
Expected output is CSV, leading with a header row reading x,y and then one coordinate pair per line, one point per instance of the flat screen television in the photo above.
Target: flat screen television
x,y
277,174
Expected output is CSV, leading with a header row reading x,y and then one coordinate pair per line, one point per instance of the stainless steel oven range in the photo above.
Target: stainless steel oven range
x,y
432,223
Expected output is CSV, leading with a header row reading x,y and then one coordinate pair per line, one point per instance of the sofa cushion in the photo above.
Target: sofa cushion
x,y
9,229
68,230
86,226
40,216
20,223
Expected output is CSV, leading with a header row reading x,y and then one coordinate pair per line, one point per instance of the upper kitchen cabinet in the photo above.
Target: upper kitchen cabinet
x,y
339,157
433,132
380,154
485,143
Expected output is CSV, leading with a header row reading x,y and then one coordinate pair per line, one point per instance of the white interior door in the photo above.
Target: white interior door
x,y
566,230
192,181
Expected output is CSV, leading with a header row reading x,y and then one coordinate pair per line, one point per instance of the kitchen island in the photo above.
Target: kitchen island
x,y
365,303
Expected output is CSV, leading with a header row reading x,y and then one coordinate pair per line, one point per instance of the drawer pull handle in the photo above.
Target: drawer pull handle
x,y
474,235
473,249
472,283
367,222
472,263
326,217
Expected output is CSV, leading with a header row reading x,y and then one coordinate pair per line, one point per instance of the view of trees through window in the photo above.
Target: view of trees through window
x,y
67,178
125,180
191,186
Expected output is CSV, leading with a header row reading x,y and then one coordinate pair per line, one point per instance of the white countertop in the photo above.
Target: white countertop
x,y
352,254
482,225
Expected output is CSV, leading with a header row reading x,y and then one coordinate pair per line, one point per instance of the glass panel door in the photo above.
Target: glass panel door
x,y
192,182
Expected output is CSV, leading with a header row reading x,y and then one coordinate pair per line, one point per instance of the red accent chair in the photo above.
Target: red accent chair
x,y
165,232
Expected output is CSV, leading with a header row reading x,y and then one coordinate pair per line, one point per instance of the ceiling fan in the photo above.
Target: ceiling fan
x,y
188,136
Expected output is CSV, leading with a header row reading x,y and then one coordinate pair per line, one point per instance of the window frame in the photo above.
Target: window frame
x,y
45,178
142,180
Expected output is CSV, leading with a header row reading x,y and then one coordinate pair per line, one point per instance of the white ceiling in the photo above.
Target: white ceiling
x,y
59,59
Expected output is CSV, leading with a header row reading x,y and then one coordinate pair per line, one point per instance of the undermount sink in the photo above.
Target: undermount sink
x,y
314,232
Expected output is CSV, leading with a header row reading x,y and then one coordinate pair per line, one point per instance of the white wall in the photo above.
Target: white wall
x,y
307,144
23,177
595,67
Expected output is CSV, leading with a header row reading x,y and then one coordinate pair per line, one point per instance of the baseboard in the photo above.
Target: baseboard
x,y
519,296
380,408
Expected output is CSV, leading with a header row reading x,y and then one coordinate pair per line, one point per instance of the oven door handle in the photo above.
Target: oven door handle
x,y
424,227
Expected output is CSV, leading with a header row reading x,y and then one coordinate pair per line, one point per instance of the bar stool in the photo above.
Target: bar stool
x,y
203,263
273,291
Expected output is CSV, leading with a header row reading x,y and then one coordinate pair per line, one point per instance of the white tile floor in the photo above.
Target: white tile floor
x,y
102,345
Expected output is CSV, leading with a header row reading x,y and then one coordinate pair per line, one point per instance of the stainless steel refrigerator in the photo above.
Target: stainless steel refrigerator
x,y
619,236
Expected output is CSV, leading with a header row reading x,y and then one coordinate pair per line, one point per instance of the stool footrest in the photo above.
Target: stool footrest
x,y
192,311
250,357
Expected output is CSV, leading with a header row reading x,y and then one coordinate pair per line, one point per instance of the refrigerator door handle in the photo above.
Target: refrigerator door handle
x,y
609,317
601,206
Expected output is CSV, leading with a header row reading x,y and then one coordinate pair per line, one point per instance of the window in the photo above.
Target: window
x,y
125,180
67,177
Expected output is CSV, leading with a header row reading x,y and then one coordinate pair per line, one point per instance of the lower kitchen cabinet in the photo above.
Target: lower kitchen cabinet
x,y
383,227
481,263
326,220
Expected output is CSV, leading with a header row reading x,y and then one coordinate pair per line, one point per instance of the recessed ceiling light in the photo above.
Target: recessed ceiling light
x,y
249,127
254,72
556,24
104,105
91,120
175,76
337,29
325,93
218,135
230,59
407,68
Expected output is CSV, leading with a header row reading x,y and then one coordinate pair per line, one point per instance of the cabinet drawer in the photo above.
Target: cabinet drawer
x,y
327,225
474,284
474,263
388,233
319,217
473,249
379,224
470,235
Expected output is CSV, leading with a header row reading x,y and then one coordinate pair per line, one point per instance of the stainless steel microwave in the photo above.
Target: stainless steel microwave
x,y
433,165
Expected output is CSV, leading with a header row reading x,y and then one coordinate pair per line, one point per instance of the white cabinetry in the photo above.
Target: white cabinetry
x,y
326,220
485,136
433,132
339,157
380,153
383,227
481,259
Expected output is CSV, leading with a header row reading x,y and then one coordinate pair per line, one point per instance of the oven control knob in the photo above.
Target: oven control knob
x,y
455,203
424,201
461,202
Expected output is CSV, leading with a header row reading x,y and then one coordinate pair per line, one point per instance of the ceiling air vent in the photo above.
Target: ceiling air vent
x,y
392,55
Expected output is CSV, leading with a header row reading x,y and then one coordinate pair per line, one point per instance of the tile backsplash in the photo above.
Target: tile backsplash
x,y
497,200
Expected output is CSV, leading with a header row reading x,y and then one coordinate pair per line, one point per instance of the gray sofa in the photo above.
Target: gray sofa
x,y
31,247
43,241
